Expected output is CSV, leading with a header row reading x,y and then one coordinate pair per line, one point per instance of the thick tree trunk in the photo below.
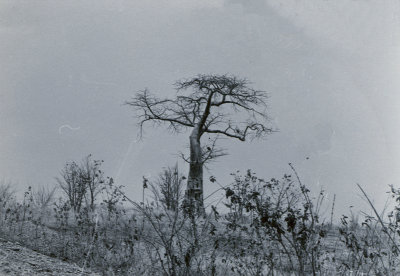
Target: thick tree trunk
x,y
194,192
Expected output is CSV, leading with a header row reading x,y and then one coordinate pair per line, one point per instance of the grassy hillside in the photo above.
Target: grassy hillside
x,y
271,228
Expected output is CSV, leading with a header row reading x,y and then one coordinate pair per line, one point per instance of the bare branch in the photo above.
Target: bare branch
x,y
150,108
205,107
211,151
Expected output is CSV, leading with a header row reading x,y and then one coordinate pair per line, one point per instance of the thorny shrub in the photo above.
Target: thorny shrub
x,y
373,245
175,241
272,225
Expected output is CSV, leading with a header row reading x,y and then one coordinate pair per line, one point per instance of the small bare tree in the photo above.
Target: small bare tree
x,y
169,184
6,192
209,108
43,196
7,197
80,182
72,185
93,178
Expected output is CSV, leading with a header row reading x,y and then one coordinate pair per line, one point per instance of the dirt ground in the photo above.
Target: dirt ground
x,y
18,260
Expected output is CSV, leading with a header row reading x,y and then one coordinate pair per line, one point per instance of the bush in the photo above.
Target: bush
x,y
274,222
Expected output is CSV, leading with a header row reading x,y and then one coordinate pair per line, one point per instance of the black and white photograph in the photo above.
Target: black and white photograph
x,y
190,138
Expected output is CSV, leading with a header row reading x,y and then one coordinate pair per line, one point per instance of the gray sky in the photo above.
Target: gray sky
x,y
331,69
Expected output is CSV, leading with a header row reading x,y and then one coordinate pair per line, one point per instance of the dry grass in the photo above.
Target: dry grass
x,y
152,240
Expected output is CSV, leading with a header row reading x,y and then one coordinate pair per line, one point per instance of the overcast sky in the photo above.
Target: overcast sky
x,y
331,69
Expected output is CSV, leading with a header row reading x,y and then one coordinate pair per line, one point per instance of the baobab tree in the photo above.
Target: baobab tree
x,y
218,105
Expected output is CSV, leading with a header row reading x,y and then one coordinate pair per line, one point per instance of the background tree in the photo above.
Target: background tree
x,y
80,182
168,187
43,196
71,184
218,104
93,178
7,194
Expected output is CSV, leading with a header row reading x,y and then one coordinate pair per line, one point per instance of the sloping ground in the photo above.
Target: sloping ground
x,y
18,260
